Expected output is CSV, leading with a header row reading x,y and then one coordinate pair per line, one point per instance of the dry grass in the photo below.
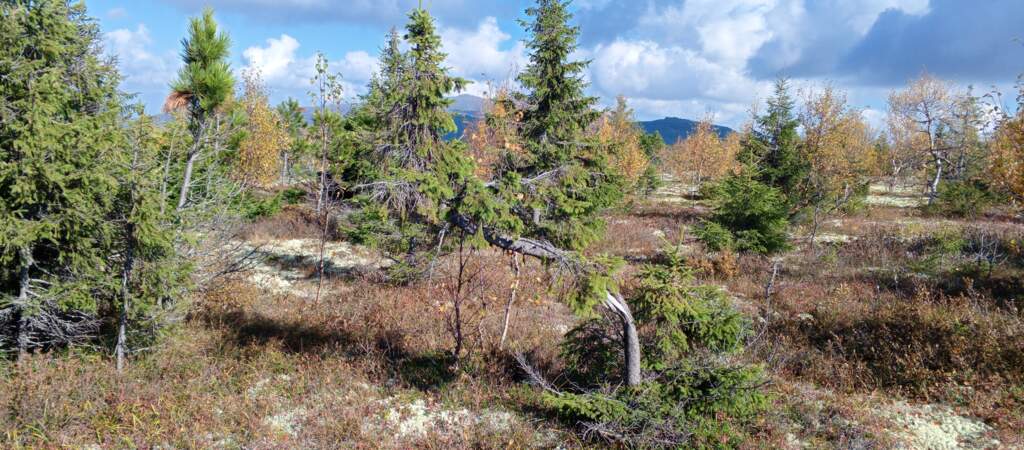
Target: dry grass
x,y
848,324
255,370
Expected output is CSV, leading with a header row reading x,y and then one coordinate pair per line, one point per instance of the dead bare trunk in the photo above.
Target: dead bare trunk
x,y
630,338
284,169
187,179
126,272
197,144
511,299
21,334
320,265
933,189
121,348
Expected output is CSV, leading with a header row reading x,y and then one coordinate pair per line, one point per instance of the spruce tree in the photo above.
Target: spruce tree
x,y
60,110
772,151
149,270
78,215
569,181
295,124
408,105
427,199
558,111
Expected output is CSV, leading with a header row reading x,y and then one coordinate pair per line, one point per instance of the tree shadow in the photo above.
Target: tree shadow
x,y
307,266
427,371
249,330
678,214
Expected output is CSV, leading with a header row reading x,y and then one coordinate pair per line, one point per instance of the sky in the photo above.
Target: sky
x,y
680,58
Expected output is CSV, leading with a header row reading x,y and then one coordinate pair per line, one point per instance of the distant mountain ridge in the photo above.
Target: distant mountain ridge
x,y
672,129
466,109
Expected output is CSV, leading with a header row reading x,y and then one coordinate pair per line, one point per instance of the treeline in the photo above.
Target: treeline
x,y
801,161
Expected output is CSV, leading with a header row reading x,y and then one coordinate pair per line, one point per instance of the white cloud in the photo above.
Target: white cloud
x,y
139,64
276,62
286,72
647,69
672,81
875,118
478,54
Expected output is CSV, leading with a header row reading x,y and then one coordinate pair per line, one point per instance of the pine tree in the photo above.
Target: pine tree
x,y
203,85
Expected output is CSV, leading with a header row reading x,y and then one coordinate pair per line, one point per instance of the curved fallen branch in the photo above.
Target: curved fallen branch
x,y
569,262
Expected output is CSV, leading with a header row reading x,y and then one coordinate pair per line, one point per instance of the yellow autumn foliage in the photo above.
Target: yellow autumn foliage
x,y
259,155
703,156
619,135
837,145
495,135
1007,157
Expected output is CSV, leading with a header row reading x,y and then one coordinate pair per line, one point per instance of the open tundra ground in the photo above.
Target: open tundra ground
x,y
874,337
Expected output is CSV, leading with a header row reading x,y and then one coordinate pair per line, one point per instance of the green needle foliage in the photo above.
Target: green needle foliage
x,y
204,84
772,152
73,193
420,181
748,216
60,122
205,81
569,180
693,396
753,209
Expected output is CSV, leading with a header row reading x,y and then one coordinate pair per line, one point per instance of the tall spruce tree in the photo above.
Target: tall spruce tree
x,y
204,83
78,215
772,151
570,179
428,199
407,197
58,134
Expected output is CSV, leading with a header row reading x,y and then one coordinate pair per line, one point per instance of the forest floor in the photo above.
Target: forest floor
x,y
869,342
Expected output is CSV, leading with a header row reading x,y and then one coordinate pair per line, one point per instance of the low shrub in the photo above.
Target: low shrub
x,y
963,199
254,207
747,213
